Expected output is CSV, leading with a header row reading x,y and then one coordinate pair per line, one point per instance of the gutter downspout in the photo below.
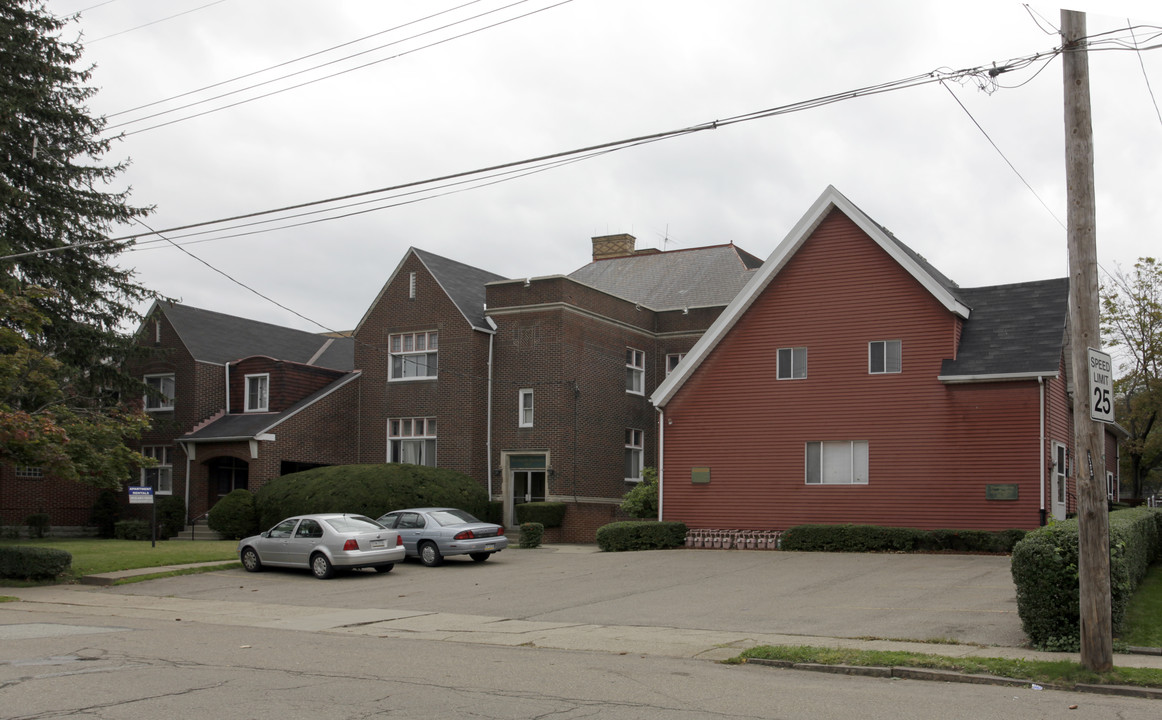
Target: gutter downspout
x,y
1041,448
186,450
488,431
661,457
227,388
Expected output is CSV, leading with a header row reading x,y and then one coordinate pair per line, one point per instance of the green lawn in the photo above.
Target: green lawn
x,y
92,555
1144,615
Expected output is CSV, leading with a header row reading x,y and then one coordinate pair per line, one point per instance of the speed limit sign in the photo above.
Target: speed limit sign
x,y
1101,386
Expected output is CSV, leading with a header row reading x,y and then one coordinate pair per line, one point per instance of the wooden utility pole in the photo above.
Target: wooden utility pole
x,y
1093,547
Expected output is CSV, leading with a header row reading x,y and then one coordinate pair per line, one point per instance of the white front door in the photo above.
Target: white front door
x,y
1058,482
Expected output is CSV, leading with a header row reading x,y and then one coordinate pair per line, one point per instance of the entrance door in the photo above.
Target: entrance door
x,y
1059,481
527,482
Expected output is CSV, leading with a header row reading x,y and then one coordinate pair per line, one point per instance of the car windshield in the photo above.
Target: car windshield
x,y
451,517
353,523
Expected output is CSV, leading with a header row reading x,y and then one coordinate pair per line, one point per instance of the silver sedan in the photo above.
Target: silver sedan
x,y
323,543
431,534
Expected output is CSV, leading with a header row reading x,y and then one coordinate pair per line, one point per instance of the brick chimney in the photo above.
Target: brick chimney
x,y
608,246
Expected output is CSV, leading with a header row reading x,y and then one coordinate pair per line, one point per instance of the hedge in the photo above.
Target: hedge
x,y
132,530
1044,568
33,563
641,535
875,538
234,516
531,534
549,514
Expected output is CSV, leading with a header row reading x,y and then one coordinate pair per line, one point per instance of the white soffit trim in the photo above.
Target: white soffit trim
x,y
775,262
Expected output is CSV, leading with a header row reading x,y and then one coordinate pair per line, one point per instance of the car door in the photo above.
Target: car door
x,y
272,548
411,529
307,536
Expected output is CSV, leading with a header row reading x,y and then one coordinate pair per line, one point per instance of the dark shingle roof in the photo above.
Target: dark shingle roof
x,y
219,338
697,277
1013,329
464,284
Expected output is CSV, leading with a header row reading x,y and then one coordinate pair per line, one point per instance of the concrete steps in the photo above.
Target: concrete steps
x,y
196,532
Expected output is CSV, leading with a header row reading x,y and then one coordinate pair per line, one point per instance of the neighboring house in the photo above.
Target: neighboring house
x,y
27,490
852,382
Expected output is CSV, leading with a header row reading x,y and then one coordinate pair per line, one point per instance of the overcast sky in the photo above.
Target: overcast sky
x,y
449,94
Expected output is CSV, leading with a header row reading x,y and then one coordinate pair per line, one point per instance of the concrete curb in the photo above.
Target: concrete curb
x,y
931,674
106,579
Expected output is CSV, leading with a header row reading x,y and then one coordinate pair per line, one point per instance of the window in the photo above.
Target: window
x,y
257,393
883,356
163,386
837,463
411,286
412,441
413,355
792,363
633,455
29,471
635,371
160,476
526,408
672,361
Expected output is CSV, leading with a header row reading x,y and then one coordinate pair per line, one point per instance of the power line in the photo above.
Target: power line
x,y
1144,75
155,22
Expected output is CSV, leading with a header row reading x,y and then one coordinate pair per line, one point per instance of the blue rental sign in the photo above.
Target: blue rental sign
x,y
140,494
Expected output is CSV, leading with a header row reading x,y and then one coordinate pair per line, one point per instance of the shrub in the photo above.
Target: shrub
x,y
874,538
642,500
171,516
105,513
37,524
495,513
1044,568
235,516
531,534
548,514
33,563
641,535
371,489
132,530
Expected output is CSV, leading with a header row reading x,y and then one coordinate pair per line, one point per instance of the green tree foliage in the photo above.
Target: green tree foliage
x,y
642,500
1132,325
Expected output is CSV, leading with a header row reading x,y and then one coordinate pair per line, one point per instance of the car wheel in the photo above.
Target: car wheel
x,y
479,557
250,560
321,566
430,554
384,568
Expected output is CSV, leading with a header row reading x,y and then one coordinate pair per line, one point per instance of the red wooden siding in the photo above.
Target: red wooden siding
x,y
933,448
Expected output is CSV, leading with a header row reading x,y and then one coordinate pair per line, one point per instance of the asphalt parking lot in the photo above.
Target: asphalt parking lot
x,y
963,598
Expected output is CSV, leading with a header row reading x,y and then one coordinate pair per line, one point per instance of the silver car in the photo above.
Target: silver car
x,y
323,543
431,534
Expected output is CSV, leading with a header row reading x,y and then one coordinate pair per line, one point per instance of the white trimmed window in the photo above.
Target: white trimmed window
x,y
411,286
413,355
412,441
633,455
635,371
672,361
30,472
258,393
837,462
526,408
792,363
160,476
164,386
883,356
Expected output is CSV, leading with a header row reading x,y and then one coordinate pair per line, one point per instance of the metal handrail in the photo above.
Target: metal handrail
x,y
194,523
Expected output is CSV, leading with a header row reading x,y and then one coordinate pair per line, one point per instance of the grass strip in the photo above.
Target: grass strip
x,y
1144,614
1060,673
94,555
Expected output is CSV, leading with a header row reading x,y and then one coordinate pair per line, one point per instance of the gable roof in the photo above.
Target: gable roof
x,y
463,284
940,287
218,338
697,277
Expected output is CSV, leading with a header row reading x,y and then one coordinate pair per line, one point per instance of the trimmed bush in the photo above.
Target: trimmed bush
x,y
33,563
1044,568
495,513
874,538
171,516
105,513
370,489
132,530
642,499
235,516
548,514
641,535
531,534
38,525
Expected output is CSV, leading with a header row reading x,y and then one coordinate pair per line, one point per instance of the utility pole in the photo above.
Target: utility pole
x,y
1093,546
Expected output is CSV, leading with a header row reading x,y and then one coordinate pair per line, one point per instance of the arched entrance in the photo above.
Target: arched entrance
x,y
225,474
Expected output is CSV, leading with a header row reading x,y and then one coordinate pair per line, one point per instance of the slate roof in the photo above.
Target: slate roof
x,y
1016,329
464,284
697,277
219,338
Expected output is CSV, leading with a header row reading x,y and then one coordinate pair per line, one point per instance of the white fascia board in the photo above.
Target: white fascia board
x,y
999,377
382,290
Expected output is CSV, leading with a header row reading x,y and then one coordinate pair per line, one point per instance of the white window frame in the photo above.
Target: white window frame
x,y
525,408
166,403
411,286
262,380
29,472
418,432
819,471
405,346
635,371
791,363
634,453
672,361
160,476
884,356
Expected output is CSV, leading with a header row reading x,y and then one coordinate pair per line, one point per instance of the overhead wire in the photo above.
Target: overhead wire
x,y
1145,76
154,22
